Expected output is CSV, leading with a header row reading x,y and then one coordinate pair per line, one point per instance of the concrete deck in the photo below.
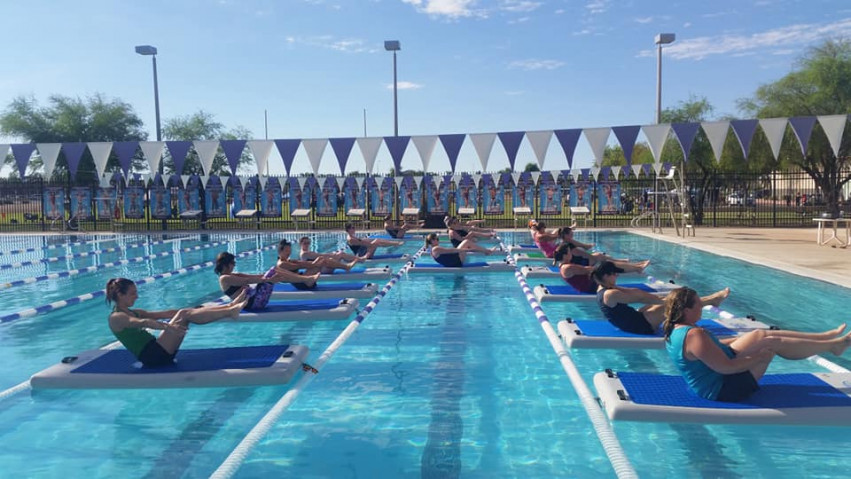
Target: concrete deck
x,y
792,250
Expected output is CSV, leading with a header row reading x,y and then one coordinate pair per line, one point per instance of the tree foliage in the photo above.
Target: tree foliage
x,y
203,126
66,119
820,85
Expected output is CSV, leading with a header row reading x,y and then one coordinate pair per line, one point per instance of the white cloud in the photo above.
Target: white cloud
x,y
519,20
686,24
644,19
584,31
792,37
597,6
446,8
559,11
348,45
405,85
535,64
518,5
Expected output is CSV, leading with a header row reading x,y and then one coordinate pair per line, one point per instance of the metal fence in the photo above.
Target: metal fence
x,y
779,199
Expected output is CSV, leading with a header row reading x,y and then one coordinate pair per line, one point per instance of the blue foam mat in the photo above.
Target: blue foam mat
x,y
387,256
429,264
277,305
603,329
289,288
570,290
777,391
121,361
388,237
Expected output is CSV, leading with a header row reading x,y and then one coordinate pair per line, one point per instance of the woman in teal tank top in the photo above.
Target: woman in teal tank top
x,y
728,369
130,325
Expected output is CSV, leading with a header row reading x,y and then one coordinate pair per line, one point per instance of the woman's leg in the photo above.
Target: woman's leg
x,y
172,337
792,344
381,242
471,245
632,267
209,314
332,264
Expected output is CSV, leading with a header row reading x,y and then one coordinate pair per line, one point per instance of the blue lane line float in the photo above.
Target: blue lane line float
x,y
81,255
26,313
89,269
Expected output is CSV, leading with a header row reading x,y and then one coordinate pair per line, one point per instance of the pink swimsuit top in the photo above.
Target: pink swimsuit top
x,y
549,249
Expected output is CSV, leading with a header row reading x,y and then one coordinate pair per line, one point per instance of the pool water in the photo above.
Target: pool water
x,y
448,377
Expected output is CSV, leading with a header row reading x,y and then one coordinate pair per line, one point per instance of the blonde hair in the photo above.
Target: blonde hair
x,y
675,304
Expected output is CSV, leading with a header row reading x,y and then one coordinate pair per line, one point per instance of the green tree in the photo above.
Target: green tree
x,y
819,85
531,167
67,119
203,126
641,154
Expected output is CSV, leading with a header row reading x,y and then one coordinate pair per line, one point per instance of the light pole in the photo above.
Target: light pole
x,y
394,46
661,39
152,51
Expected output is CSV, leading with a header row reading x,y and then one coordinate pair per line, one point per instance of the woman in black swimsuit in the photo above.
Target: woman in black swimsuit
x,y
396,230
365,248
234,283
452,257
459,233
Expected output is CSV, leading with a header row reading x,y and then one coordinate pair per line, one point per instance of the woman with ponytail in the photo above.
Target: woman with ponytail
x,y
728,369
130,325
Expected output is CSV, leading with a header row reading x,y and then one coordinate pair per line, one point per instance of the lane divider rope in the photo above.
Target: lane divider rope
x,y
606,435
26,313
235,459
89,269
56,246
83,254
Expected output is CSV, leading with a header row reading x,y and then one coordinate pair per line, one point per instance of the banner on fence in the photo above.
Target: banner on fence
x,y
81,203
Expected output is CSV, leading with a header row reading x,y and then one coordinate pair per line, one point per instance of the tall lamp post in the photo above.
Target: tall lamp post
x,y
661,39
152,51
394,46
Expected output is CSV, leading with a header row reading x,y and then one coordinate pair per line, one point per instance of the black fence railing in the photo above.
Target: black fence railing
x,y
779,199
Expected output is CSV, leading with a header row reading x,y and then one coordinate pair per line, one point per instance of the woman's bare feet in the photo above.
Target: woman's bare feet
x,y
312,279
841,345
642,265
717,298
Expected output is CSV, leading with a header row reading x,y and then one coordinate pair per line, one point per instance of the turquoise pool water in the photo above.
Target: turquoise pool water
x,y
448,377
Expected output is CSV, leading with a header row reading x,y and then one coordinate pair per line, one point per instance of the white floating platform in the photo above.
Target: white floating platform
x,y
193,368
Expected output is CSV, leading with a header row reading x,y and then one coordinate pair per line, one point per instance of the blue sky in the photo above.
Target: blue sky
x,y
466,66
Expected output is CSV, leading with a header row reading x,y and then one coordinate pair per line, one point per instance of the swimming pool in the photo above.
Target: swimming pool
x,y
448,377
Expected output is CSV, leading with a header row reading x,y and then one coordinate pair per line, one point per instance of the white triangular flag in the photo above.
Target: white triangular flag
x,y
597,138
595,172
716,132
341,180
657,167
418,180
617,171
104,181
185,179
100,154
301,181
476,178
833,126
774,129
540,141
260,150
425,147
516,176
153,152
204,180
576,174
636,170
398,180
262,179
206,150
49,153
483,144
314,149
656,135
369,150
535,176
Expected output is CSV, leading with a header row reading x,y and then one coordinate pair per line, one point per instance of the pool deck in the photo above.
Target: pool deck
x,y
792,250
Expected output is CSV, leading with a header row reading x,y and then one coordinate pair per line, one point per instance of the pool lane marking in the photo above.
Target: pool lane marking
x,y
89,269
114,237
819,360
26,313
83,254
235,459
609,440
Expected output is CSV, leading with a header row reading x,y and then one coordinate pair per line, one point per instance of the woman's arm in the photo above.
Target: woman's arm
x,y
699,345
569,269
618,294
146,319
440,250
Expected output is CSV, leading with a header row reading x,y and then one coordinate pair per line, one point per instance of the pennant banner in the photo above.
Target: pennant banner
x,y
833,126
483,143
716,133
206,150
100,154
287,150
685,133
125,150
342,149
153,152
397,146
626,136
49,152
744,130
774,128
597,138
178,151
425,147
568,140
260,149
656,135
73,154
803,128
452,144
233,153
22,153
315,149
369,150
511,142
540,142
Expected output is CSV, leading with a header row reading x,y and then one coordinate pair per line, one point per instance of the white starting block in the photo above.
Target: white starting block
x,y
300,214
521,212
245,215
580,212
359,214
